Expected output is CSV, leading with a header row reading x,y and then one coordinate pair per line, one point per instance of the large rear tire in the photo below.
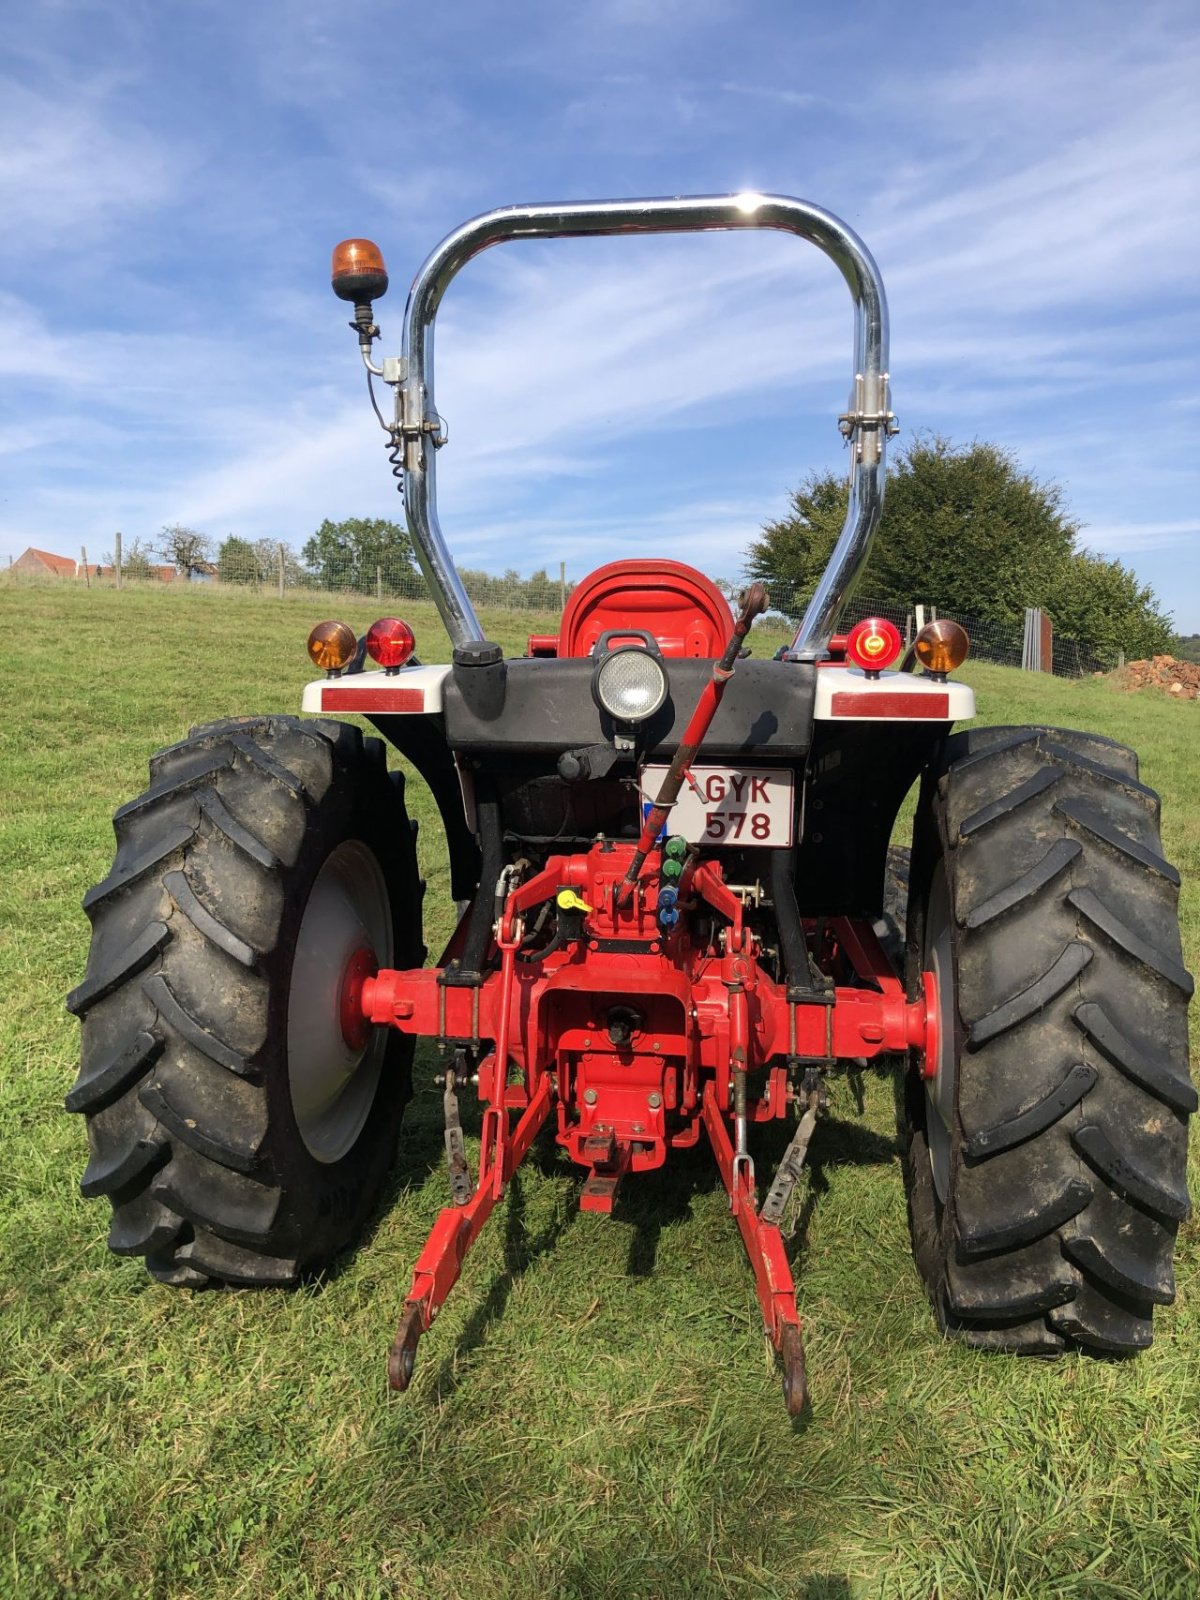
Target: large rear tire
x,y
1045,1163
240,1131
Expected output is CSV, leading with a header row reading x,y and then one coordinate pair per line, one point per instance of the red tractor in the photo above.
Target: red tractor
x,y
672,860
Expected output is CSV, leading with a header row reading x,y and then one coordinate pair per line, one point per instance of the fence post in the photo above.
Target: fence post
x,y
1037,645
562,585
117,555
379,584
83,552
1120,658
280,549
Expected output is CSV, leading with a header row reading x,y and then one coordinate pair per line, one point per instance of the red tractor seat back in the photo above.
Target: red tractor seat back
x,y
684,610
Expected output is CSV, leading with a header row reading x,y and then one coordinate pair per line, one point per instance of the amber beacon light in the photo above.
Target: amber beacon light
x,y
358,272
941,646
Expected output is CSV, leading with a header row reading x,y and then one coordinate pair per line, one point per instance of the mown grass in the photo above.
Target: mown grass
x,y
595,1413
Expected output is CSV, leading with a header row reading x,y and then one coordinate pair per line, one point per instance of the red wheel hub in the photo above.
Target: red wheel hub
x,y
933,1026
356,1028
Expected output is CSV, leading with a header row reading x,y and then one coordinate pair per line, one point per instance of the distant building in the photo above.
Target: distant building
x,y
166,574
43,564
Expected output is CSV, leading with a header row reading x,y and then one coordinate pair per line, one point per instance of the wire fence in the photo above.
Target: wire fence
x,y
275,570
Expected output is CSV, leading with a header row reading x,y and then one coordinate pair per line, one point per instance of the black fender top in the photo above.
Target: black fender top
x,y
547,707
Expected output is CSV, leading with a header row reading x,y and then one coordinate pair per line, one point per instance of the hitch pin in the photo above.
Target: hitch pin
x,y
743,1162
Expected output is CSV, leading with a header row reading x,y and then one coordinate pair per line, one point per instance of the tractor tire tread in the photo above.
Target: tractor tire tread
x,y
113,1074
132,959
1150,1073
1017,1008
1032,1119
1094,822
158,991
125,873
241,837
1057,859
1067,1167
1001,809
179,1069
1089,904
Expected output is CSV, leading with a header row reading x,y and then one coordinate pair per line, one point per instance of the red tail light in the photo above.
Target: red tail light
x,y
390,642
872,645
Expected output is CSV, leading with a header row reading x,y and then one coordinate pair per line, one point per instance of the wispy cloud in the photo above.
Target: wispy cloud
x,y
1031,194
792,98
1130,538
71,169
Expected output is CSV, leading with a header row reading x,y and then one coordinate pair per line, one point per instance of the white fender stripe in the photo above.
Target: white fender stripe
x,y
846,694
411,691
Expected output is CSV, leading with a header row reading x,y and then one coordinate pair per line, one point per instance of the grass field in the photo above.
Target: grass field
x,y
595,1413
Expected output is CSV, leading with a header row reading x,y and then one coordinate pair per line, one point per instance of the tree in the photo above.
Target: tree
x,y
266,555
135,560
793,552
349,554
962,527
1101,606
237,561
967,530
185,549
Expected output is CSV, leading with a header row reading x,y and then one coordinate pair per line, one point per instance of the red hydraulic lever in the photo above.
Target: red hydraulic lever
x,y
754,601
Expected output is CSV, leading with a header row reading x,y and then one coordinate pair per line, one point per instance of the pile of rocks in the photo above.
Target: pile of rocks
x,y
1179,678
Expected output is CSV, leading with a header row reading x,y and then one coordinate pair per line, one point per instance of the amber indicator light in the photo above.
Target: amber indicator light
x,y
941,646
358,273
331,645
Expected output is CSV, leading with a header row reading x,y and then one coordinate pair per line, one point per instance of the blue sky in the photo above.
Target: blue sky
x,y
174,175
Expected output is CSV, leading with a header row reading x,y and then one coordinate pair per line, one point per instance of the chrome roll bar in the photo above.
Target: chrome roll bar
x,y
866,424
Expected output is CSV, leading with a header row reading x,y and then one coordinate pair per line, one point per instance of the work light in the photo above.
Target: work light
x,y
629,683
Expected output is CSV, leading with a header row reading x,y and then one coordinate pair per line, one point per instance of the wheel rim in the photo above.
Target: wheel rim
x,y
940,1089
333,1080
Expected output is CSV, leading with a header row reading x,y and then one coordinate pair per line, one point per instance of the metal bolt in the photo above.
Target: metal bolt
x,y
655,1101
587,1041
589,1097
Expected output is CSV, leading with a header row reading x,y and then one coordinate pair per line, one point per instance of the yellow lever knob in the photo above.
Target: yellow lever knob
x,y
568,900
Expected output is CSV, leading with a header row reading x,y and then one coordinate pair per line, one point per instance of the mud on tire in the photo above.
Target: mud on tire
x,y
184,1080
1061,1161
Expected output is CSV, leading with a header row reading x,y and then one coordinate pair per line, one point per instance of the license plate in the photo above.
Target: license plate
x,y
727,805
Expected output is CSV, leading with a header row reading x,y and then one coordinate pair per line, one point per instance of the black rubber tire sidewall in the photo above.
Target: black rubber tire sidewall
x,y
324,1204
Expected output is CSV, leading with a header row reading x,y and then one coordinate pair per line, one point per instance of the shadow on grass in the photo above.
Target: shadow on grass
x,y
420,1152
521,1251
656,1200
